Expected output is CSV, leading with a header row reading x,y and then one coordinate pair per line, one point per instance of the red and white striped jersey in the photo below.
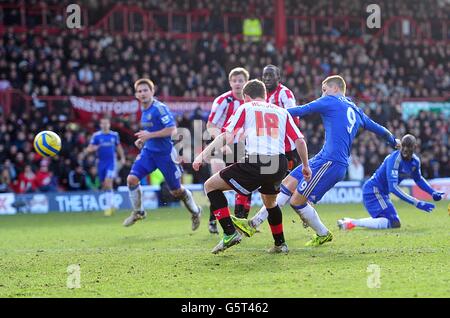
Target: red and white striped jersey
x,y
267,128
282,97
223,107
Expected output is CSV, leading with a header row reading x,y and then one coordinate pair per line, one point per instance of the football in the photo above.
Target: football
x,y
47,143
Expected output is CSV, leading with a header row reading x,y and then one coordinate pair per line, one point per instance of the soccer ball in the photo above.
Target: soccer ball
x,y
47,143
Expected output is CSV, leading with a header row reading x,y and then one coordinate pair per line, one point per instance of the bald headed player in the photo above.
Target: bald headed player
x,y
399,165
280,95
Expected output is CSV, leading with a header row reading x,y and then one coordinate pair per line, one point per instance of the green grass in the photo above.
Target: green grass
x,y
161,257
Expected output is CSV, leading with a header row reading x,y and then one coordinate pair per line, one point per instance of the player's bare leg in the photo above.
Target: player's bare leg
x,y
309,215
288,186
135,192
108,189
214,188
186,197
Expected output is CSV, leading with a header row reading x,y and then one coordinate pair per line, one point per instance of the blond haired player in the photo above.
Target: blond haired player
x,y
342,120
223,107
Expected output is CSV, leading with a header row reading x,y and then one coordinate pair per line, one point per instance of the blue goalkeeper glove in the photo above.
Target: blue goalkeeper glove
x,y
437,195
427,207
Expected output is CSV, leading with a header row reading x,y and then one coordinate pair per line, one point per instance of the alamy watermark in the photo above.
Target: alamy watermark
x,y
73,276
73,19
374,19
374,279
189,144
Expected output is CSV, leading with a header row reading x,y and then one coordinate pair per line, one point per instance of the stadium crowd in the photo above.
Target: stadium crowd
x,y
23,170
416,9
379,74
102,64
209,13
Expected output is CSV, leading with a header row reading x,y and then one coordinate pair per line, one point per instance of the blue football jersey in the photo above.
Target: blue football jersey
x,y
342,120
394,170
107,143
155,118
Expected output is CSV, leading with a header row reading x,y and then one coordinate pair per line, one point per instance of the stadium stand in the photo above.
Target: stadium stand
x,y
50,63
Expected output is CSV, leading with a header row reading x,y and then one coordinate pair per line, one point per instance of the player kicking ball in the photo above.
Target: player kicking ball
x,y
157,152
342,120
399,165
265,127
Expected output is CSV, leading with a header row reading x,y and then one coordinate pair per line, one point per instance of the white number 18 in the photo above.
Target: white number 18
x,y
351,119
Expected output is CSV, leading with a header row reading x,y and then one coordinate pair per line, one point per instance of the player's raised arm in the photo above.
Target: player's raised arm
x,y
332,87
381,131
316,106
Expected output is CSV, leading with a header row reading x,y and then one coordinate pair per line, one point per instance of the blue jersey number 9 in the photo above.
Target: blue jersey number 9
x,y
351,119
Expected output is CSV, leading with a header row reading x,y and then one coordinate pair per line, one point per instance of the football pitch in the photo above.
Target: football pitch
x,y
162,257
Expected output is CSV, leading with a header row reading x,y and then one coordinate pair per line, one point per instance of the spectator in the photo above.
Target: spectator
x,y
184,121
11,169
199,114
45,180
380,71
77,179
85,75
5,181
252,29
26,182
180,71
123,172
92,180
